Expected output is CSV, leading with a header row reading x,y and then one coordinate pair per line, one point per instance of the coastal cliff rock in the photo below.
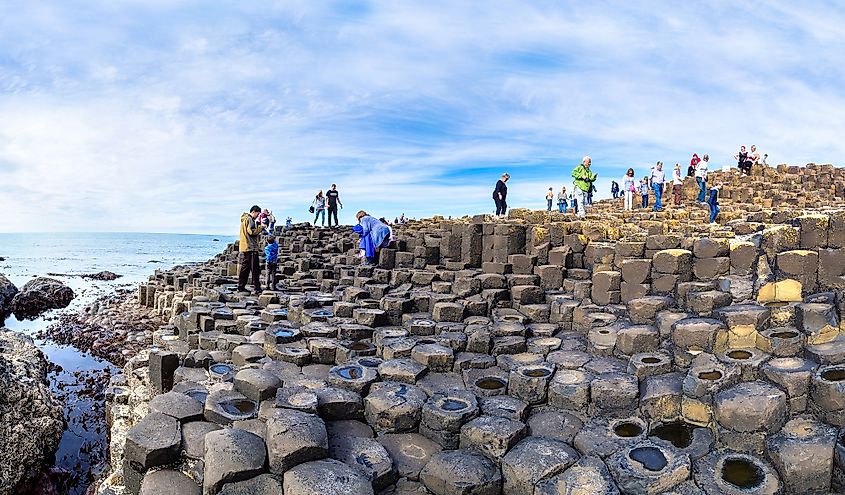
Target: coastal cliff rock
x,y
7,293
31,422
39,295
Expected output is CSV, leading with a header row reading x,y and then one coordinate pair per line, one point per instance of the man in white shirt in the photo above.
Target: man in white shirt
x,y
701,177
677,184
658,177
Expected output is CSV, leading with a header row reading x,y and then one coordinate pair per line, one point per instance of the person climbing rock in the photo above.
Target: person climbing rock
x,y
374,235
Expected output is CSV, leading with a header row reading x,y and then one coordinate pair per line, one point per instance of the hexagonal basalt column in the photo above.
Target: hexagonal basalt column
x,y
747,360
589,476
530,383
793,375
461,472
604,436
533,460
827,393
326,477
225,406
352,377
443,415
570,389
151,442
686,438
802,452
734,473
231,455
294,437
394,407
746,412
493,436
648,467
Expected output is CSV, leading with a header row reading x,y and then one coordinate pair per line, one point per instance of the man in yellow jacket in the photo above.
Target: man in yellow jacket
x,y
248,247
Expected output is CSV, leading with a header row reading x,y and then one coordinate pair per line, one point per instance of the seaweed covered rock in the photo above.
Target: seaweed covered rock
x,y
31,421
39,295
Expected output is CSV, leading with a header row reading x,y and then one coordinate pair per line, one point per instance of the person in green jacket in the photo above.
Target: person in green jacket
x,y
584,179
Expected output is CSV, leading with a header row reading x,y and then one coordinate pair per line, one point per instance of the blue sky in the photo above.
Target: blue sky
x,y
175,116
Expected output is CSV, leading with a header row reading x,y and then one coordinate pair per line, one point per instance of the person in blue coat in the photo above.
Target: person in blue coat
x,y
271,259
713,201
374,235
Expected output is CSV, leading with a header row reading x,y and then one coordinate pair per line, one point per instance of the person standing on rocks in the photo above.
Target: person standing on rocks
x,y
701,177
713,202
248,249
628,188
643,188
614,189
333,198
677,184
584,179
658,178
319,206
742,161
271,258
693,164
561,200
500,195
550,196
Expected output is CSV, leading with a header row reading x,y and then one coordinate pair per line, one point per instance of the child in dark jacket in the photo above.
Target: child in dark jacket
x,y
271,258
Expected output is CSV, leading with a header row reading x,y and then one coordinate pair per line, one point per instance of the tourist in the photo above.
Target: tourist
x,y
550,196
248,249
658,177
743,161
701,177
264,219
402,218
614,189
584,179
500,195
677,184
713,201
628,188
561,200
271,259
643,188
288,223
754,156
693,165
573,203
318,206
375,234
272,219
590,194
333,200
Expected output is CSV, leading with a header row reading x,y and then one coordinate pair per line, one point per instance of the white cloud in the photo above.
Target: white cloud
x,y
176,116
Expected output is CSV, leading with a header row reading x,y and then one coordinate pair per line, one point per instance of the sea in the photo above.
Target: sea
x,y
66,256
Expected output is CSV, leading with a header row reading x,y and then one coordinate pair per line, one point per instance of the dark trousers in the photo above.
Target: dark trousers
x,y
270,280
248,262
501,206
677,189
333,211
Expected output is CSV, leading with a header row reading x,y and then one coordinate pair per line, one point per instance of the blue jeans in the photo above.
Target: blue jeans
x,y
548,205
714,212
657,193
561,206
321,211
645,200
702,184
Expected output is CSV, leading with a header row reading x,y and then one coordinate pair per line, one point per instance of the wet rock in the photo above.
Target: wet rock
x,y
153,441
32,421
734,473
803,452
7,294
231,455
393,407
648,468
39,295
177,405
367,455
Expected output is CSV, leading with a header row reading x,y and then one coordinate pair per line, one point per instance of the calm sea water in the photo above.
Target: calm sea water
x,y
134,256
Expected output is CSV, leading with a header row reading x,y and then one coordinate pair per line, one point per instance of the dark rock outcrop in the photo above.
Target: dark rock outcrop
x,y
39,295
7,293
31,421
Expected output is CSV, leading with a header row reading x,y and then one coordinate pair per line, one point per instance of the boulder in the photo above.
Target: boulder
x,y
7,294
40,295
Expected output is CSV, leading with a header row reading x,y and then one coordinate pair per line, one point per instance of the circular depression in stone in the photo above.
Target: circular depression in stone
x,y
283,332
351,372
369,363
834,375
450,404
710,375
742,473
322,312
650,360
238,407
678,433
538,372
739,354
361,346
198,394
627,429
220,369
490,383
786,334
651,458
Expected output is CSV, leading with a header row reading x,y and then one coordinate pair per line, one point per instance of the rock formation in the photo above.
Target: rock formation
x,y
32,422
7,294
40,295
633,352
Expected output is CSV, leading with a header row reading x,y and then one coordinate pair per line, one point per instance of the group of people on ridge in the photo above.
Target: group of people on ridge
x,y
330,201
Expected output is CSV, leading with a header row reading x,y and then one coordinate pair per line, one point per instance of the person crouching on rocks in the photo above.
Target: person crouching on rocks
x,y
271,259
374,235
248,249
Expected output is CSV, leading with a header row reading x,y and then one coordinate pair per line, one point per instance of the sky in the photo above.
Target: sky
x,y
177,116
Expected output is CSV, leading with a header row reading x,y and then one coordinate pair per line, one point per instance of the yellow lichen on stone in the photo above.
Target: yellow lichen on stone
x,y
741,336
785,291
695,411
827,334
